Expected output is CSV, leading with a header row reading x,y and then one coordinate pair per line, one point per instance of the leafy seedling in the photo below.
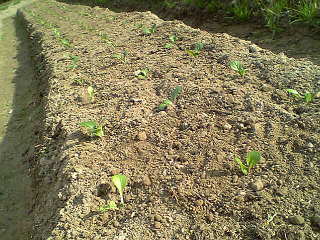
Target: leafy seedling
x,y
252,159
120,181
168,46
173,38
197,49
56,33
93,128
149,31
173,96
110,206
141,74
74,60
65,42
308,97
122,56
238,67
91,93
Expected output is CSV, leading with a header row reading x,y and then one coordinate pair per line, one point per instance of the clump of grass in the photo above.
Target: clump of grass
x,y
241,10
238,67
307,12
252,159
197,49
273,12
173,96
93,128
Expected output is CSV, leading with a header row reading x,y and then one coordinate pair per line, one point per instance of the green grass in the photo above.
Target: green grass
x,y
6,5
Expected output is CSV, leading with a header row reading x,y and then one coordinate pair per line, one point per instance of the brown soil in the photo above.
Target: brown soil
x,y
183,181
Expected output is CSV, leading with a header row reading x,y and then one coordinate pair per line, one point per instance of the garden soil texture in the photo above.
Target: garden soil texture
x,y
183,182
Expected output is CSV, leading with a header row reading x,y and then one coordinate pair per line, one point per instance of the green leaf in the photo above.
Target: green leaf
x,y
243,168
89,124
175,93
164,105
110,206
293,92
168,45
253,158
199,46
192,53
173,38
120,181
308,97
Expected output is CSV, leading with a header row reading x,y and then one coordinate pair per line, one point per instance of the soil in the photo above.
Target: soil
x,y
183,181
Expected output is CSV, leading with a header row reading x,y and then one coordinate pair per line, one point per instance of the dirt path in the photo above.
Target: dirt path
x,y
16,91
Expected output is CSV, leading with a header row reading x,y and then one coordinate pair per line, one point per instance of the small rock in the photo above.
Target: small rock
x,y
142,136
235,179
252,49
296,220
210,217
257,185
116,224
157,225
310,145
158,218
227,126
146,181
315,221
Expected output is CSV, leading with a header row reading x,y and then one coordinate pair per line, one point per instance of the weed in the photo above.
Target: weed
x,y
273,13
173,96
120,181
197,49
308,97
142,74
238,67
149,31
307,12
110,206
252,159
91,93
94,129
241,10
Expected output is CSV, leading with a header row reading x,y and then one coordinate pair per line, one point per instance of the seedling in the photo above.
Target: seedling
x,y
94,129
141,74
252,159
56,33
79,81
197,49
91,93
168,46
65,42
110,206
74,60
122,56
173,96
173,38
149,31
120,181
307,97
238,67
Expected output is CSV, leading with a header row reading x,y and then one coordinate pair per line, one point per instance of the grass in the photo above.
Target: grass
x,y
6,5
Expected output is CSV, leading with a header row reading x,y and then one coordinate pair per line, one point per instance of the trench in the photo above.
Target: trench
x,y
17,113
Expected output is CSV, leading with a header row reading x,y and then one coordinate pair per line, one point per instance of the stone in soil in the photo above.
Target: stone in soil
x,y
257,185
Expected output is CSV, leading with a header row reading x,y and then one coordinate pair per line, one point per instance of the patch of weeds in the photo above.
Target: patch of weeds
x,y
241,10
149,31
74,60
121,56
273,13
308,97
197,49
142,74
238,67
252,159
93,128
307,12
173,96
91,93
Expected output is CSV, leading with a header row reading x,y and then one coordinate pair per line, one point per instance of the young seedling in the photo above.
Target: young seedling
x,y
238,67
110,206
120,181
149,31
65,42
173,96
168,45
141,74
308,97
56,33
173,38
94,129
122,56
197,49
91,93
252,159
74,60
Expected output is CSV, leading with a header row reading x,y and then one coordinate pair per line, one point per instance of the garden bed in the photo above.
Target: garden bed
x,y
183,180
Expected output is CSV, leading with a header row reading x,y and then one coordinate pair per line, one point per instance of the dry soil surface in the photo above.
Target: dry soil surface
x,y
183,181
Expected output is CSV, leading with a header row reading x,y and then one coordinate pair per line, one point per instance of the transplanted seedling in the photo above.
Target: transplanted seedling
x,y
307,97
238,67
252,159
142,74
91,93
121,56
120,181
197,49
94,129
167,102
173,39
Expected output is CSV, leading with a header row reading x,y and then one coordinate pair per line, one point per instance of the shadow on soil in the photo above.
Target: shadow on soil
x,y
297,41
